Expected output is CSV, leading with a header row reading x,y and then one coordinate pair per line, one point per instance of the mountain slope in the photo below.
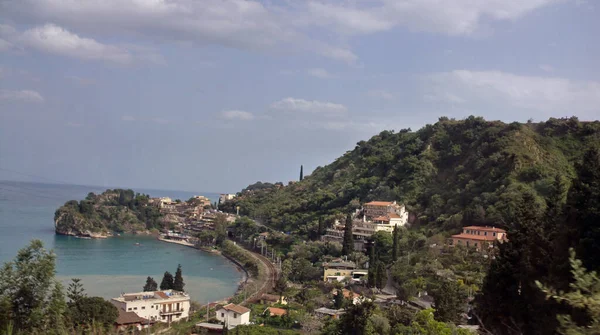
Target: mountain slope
x,y
448,174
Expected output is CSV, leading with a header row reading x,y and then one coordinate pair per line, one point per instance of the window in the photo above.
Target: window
x,y
143,307
485,233
235,315
494,234
163,317
222,315
129,309
475,244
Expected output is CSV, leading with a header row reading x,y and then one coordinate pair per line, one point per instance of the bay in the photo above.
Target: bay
x,y
110,266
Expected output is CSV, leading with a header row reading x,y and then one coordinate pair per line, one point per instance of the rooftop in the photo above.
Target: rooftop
x,y
329,311
153,295
379,203
126,318
236,308
274,311
475,237
486,228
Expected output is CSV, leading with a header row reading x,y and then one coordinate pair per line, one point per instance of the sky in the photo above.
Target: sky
x,y
213,95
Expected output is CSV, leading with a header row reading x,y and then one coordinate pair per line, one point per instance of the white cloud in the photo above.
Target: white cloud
x,y
127,118
546,68
21,96
452,17
237,115
243,24
381,94
5,45
319,73
494,89
56,40
308,106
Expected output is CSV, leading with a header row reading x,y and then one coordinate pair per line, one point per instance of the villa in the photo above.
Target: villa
x,y
163,306
233,315
479,237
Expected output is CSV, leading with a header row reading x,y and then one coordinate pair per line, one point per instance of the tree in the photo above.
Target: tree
x,y
348,243
301,172
167,281
583,206
356,320
450,301
151,285
371,274
88,311
395,246
338,299
57,307
178,283
26,287
584,295
75,291
380,275
424,323
280,285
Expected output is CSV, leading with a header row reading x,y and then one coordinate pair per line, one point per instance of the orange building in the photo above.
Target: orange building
x,y
479,236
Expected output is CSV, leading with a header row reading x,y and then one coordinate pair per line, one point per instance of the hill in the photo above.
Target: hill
x,y
449,174
115,210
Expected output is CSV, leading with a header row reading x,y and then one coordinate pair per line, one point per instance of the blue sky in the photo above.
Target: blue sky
x,y
213,95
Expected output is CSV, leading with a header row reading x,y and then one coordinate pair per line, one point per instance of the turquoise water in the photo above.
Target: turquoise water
x,y
110,266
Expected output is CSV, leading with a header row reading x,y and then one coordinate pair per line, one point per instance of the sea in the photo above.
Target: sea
x,y
107,267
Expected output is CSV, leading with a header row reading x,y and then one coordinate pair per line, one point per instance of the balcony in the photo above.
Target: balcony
x,y
171,312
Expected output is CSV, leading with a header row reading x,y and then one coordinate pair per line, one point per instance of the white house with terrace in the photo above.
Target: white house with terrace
x,y
164,306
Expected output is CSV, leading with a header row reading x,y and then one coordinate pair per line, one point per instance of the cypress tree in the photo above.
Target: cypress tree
x,y
380,275
321,227
395,245
301,172
371,275
178,283
167,281
151,285
348,244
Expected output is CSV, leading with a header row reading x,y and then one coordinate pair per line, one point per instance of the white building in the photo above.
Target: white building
x,y
225,197
233,315
163,306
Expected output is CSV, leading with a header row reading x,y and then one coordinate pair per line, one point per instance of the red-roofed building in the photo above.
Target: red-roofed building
x,y
274,311
479,237
233,315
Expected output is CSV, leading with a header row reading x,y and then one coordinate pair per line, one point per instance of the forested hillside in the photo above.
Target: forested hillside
x,y
448,174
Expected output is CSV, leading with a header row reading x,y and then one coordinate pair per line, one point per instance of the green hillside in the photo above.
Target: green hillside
x,y
448,174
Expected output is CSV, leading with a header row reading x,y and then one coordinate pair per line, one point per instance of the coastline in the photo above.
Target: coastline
x,y
245,273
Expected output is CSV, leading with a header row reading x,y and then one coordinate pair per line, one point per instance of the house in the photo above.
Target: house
x,y
333,270
233,315
202,200
270,299
274,311
355,297
164,306
328,312
127,320
479,237
225,197
376,209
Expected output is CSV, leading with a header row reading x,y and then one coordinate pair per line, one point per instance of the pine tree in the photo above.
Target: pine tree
x,y
178,283
151,285
57,307
348,243
301,172
167,281
338,299
75,290
450,301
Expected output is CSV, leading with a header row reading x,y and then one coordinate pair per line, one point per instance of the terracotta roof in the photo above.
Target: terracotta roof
x,y
236,308
485,228
163,295
393,216
274,311
381,218
347,294
379,203
126,318
475,237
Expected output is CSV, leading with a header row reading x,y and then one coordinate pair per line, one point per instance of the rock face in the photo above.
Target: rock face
x,y
99,216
